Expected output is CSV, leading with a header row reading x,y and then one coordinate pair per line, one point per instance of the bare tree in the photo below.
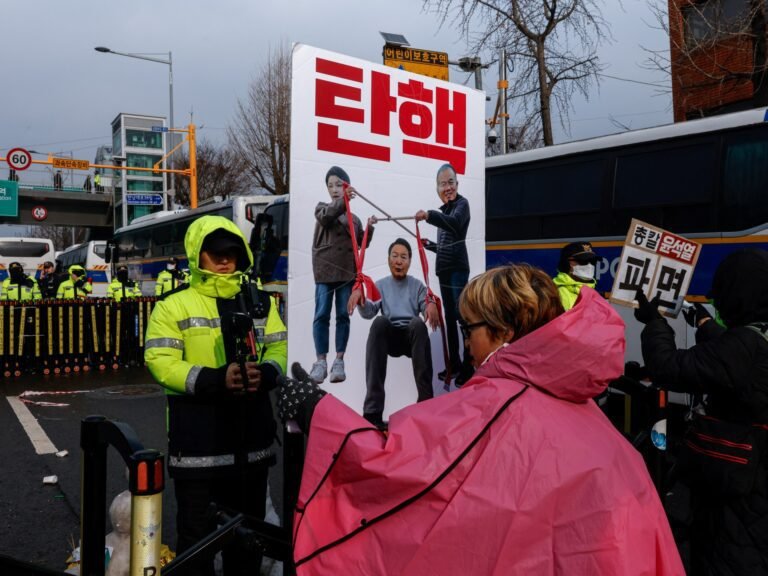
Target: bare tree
x,y
261,133
551,49
716,45
61,236
219,173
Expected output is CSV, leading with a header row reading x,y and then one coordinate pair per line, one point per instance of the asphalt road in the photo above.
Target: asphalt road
x,y
40,523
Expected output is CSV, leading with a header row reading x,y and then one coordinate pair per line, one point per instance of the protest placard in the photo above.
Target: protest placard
x,y
657,262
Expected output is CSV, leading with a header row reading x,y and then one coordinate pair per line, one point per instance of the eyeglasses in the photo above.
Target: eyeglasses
x,y
447,183
466,329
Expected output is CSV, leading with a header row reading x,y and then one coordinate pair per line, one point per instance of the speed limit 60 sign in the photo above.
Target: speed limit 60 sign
x,y
19,159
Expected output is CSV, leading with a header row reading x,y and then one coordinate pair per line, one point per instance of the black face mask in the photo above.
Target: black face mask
x,y
122,275
17,275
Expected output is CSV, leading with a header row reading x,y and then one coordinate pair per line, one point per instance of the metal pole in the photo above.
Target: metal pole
x,y
385,214
192,167
169,143
479,76
503,77
93,497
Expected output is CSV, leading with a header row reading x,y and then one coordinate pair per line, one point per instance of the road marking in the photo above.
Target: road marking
x,y
37,435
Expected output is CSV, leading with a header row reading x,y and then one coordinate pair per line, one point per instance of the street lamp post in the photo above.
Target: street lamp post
x,y
169,62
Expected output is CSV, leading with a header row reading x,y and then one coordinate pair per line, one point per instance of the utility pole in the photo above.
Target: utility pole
x,y
503,84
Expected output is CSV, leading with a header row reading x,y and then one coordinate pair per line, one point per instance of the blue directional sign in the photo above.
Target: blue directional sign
x,y
144,199
159,129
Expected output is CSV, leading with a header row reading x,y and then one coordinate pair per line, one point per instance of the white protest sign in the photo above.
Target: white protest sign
x,y
390,131
657,262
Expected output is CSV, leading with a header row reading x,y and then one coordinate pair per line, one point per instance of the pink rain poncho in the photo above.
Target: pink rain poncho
x,y
519,472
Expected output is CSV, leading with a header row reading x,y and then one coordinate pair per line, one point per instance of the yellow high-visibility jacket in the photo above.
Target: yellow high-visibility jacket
x,y
185,352
117,290
68,290
167,282
568,288
22,292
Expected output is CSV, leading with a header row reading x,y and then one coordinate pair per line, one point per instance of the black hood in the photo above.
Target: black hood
x,y
740,287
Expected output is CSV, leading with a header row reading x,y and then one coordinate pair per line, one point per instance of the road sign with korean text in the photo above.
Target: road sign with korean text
x,y
144,199
657,262
71,164
9,198
424,62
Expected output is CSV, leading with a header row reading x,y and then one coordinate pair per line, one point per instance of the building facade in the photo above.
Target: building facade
x,y
138,141
717,56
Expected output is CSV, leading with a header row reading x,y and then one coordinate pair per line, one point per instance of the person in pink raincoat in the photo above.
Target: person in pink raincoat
x,y
517,473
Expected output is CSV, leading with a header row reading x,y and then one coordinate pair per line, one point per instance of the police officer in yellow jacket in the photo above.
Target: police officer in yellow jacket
x,y
170,278
19,286
77,286
217,418
576,268
121,287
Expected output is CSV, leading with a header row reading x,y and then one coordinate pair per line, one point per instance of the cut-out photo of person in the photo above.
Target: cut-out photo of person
x,y
398,331
334,269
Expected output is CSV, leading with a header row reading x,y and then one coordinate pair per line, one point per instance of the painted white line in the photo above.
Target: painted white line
x,y
37,435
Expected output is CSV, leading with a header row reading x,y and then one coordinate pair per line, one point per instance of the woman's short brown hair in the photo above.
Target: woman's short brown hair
x,y
519,297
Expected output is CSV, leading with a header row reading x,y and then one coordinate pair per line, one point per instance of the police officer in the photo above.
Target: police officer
x,y
77,286
19,286
48,281
170,278
121,287
576,268
219,418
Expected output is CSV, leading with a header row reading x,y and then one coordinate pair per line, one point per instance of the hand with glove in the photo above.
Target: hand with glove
x,y
646,311
297,397
80,282
696,315
429,245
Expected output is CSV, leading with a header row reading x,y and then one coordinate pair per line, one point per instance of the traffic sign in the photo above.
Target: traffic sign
x,y
71,164
39,213
144,199
159,129
425,62
19,159
9,198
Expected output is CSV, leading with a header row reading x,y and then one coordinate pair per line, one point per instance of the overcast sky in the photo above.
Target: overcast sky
x,y
59,95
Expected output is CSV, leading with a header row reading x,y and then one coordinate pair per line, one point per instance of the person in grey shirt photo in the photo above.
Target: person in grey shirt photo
x,y
398,331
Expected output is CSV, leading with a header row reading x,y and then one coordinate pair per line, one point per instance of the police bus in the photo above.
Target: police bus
x,y
704,179
91,256
30,252
149,241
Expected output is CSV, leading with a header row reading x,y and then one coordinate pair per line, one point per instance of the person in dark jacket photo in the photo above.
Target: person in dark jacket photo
x,y
729,532
452,262
333,264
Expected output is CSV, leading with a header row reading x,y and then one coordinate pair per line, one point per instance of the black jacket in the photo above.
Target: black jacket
x,y
729,534
452,221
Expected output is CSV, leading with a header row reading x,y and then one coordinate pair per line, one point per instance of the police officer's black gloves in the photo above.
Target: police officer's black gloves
x,y
695,314
297,397
80,282
646,311
28,282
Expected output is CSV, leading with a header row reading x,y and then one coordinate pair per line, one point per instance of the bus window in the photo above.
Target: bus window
x,y
25,249
745,181
673,188
545,202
